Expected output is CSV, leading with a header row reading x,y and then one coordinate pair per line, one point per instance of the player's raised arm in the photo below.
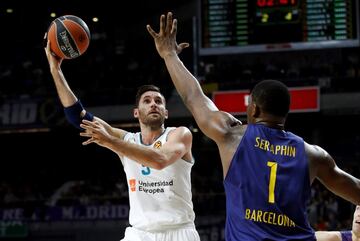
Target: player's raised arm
x,y
74,111
324,168
211,121
66,95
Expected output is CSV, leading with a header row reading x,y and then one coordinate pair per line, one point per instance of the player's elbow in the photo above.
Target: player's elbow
x,y
357,198
354,200
187,101
158,161
191,101
156,165
159,166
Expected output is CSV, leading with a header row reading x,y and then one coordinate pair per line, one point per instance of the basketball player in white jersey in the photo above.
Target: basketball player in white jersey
x,y
157,162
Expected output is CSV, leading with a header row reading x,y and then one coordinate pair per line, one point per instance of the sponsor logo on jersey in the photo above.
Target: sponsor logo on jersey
x,y
132,185
149,187
157,144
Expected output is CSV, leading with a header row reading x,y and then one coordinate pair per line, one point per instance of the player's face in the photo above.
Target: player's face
x,y
151,110
356,222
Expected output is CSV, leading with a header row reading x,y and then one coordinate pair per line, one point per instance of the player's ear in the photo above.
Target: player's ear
x,y
255,112
136,112
166,114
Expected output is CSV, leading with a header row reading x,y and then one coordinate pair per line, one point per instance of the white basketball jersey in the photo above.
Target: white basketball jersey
x,y
159,199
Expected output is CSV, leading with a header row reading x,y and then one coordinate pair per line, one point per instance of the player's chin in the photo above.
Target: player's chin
x,y
154,114
155,117
155,121
356,227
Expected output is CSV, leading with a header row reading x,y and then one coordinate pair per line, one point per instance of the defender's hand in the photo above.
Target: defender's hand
x,y
165,40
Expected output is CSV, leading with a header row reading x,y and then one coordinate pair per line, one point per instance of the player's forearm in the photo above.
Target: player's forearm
x,y
67,97
328,236
189,88
351,190
186,84
345,186
143,155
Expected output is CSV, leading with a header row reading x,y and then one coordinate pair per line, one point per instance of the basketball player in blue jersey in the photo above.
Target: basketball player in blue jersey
x,y
267,170
350,235
157,162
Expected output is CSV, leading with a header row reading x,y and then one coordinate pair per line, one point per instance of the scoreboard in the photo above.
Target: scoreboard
x,y
240,26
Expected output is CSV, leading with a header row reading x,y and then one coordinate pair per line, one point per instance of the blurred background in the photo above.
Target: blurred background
x,y
53,188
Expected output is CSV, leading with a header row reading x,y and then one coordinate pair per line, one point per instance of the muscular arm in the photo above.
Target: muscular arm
x,y
178,144
211,121
324,168
73,108
206,114
66,95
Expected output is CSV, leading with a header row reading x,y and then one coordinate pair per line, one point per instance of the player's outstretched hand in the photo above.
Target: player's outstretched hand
x,y
96,132
165,39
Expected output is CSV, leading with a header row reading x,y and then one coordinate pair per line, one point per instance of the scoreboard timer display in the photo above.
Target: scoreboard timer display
x,y
240,26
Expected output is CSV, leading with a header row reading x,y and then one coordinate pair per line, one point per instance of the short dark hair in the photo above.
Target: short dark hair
x,y
144,88
272,97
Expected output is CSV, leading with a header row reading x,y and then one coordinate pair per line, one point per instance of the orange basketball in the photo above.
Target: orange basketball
x,y
69,37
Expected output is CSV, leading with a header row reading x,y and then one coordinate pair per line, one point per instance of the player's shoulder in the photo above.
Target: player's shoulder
x,y
180,130
318,158
315,150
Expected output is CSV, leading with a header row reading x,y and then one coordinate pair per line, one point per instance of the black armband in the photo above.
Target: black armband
x,y
74,114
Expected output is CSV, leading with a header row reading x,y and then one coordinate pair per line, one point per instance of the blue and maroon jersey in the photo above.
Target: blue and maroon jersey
x,y
268,187
346,235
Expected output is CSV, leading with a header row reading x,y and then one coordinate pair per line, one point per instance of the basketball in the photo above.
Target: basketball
x,y
69,37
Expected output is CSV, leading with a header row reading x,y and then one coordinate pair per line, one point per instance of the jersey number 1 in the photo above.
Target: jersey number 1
x,y
272,181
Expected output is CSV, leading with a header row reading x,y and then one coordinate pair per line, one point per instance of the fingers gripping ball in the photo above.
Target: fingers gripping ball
x,y
69,37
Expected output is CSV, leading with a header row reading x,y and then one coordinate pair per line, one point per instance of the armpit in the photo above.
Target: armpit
x,y
236,122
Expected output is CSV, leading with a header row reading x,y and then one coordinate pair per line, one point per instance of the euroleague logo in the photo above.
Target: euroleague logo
x,y
157,144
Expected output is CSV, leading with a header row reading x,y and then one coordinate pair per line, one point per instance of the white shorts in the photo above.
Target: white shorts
x,y
181,234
